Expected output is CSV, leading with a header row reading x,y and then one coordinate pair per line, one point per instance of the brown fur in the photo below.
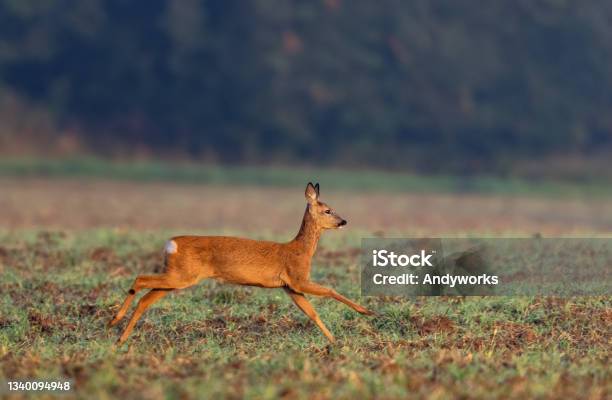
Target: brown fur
x,y
245,262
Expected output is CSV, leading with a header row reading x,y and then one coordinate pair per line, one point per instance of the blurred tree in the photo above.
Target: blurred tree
x,y
438,85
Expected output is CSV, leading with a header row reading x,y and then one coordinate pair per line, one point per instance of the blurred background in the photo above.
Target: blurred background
x,y
435,102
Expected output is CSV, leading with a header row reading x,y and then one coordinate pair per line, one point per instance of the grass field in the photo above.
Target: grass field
x,y
278,176
70,249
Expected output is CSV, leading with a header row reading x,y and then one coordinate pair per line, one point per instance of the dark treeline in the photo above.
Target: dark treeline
x,y
441,85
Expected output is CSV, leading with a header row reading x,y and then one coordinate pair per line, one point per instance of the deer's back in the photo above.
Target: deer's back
x,y
231,259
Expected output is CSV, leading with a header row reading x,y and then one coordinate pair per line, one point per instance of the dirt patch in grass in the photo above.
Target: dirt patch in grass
x,y
103,254
5,322
48,324
436,324
4,253
512,336
30,258
230,328
584,328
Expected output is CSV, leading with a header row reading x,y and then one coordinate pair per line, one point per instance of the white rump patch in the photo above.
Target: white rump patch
x,y
171,247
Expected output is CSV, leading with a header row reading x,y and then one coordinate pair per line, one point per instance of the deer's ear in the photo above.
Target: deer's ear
x,y
311,193
317,189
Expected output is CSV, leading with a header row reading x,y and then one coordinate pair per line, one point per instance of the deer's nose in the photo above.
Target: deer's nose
x,y
342,223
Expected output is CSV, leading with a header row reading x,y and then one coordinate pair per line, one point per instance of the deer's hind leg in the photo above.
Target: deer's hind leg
x,y
161,285
144,303
162,281
180,274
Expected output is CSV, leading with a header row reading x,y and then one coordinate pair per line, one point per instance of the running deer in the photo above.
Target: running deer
x,y
190,259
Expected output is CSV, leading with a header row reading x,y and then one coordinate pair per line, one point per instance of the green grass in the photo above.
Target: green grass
x,y
355,180
58,290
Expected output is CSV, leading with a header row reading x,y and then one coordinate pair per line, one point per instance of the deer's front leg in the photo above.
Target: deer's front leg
x,y
318,290
307,308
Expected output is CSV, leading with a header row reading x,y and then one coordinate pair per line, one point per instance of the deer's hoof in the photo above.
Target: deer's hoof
x,y
365,311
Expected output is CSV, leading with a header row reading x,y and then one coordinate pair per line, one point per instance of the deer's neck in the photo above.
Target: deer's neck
x,y
309,234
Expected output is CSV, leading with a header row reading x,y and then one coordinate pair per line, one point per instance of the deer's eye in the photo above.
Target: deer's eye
x,y
327,211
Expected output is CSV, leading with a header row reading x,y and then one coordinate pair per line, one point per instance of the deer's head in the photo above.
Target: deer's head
x,y
323,215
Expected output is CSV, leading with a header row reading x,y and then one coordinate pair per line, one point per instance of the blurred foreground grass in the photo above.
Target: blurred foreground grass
x,y
59,289
363,180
